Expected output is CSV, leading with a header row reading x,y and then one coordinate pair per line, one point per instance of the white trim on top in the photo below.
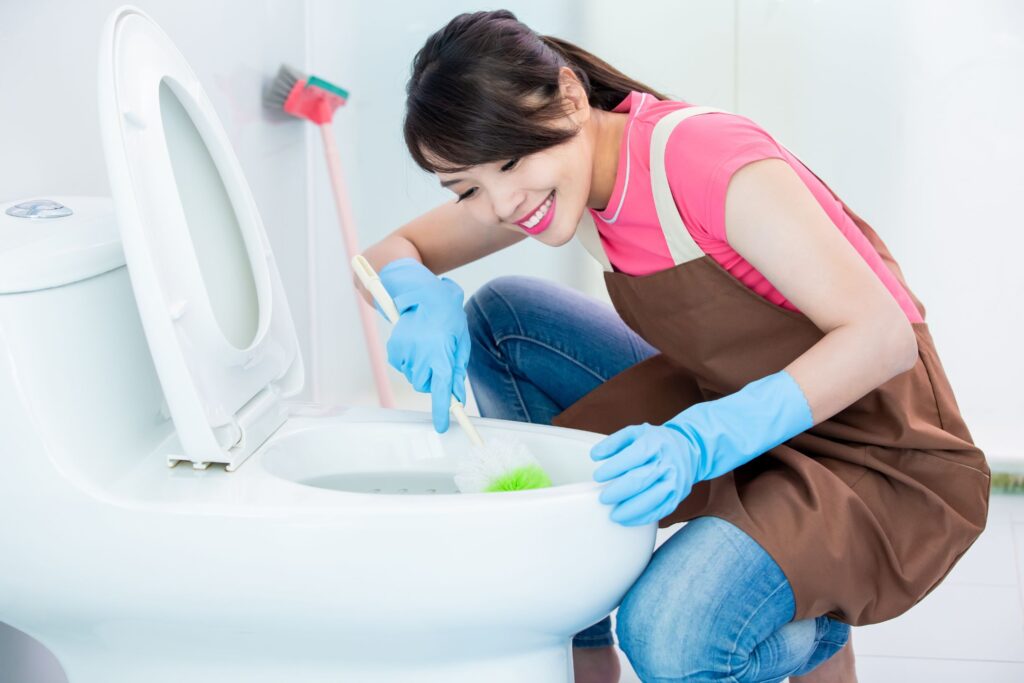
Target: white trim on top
x,y
588,236
625,184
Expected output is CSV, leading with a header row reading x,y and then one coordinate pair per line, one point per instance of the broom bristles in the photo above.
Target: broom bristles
x,y
281,88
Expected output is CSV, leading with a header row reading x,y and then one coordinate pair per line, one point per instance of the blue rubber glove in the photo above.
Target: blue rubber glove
x,y
430,342
651,468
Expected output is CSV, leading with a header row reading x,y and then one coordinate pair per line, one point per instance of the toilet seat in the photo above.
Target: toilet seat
x,y
209,293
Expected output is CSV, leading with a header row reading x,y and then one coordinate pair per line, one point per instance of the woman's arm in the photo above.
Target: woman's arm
x,y
442,239
774,222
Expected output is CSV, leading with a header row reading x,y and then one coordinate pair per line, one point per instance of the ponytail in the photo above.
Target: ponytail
x,y
606,86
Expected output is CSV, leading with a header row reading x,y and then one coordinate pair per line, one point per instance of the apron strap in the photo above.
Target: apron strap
x,y
587,234
680,244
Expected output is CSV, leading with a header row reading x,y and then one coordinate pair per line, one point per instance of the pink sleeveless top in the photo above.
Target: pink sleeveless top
x,y
701,157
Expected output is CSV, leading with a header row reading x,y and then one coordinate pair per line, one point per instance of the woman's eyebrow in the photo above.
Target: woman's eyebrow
x,y
448,183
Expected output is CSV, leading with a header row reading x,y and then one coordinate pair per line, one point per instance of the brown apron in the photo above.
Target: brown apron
x,y
865,512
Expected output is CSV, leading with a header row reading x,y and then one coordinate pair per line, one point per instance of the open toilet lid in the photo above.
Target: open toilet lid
x,y
209,294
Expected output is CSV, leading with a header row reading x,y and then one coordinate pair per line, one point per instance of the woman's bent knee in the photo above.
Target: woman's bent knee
x,y
708,598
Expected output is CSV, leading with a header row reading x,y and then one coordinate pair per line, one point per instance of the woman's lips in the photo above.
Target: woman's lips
x,y
545,221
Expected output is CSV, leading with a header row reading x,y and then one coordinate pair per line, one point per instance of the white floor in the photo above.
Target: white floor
x,y
970,628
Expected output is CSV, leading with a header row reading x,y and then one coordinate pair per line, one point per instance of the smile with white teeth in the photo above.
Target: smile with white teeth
x,y
540,213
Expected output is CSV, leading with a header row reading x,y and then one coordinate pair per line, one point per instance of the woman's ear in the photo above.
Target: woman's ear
x,y
577,106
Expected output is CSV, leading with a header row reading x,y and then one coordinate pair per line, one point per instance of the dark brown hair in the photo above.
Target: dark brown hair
x,y
484,87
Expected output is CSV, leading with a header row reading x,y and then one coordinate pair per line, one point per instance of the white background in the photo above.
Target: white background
x,y
909,110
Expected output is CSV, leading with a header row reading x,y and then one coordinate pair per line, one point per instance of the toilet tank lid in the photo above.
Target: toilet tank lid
x,y
56,240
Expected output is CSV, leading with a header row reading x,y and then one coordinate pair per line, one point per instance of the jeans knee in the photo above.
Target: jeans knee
x,y
713,605
490,301
663,647
633,627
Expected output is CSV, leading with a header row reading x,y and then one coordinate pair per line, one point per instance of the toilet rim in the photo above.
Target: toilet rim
x,y
309,448
256,489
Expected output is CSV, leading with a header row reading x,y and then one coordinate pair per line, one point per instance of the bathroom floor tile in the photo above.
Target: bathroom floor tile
x,y
906,669
1018,544
872,669
957,621
991,561
1006,507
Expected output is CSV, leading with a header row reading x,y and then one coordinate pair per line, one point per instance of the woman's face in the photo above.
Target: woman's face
x,y
543,194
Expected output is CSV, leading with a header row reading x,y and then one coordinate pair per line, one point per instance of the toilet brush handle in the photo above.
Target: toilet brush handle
x,y
460,416
368,276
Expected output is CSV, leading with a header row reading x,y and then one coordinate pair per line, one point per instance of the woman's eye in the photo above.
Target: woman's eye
x,y
507,167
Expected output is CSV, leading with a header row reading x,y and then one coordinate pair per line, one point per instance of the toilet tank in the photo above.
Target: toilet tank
x,y
78,389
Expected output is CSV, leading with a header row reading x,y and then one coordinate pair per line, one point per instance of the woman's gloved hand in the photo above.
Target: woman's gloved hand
x,y
651,468
430,342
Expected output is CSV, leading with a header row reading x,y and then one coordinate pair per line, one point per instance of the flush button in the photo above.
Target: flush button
x,y
39,208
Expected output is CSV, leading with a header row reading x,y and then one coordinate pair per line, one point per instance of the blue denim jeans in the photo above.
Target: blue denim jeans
x,y
711,604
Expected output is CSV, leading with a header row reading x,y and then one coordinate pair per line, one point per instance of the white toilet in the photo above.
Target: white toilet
x,y
285,542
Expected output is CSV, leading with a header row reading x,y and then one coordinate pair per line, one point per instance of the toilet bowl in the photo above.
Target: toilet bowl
x,y
172,514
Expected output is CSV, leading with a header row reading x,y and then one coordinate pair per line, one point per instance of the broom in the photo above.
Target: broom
x,y
316,100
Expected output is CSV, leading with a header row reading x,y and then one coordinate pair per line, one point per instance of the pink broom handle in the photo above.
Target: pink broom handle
x,y
366,313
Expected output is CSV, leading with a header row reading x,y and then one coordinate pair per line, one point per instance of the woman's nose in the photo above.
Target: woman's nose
x,y
507,207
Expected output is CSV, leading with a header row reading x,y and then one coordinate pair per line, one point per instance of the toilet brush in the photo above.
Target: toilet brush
x,y
497,465
316,100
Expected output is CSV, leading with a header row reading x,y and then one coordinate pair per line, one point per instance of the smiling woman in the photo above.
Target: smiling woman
x,y
766,364
513,137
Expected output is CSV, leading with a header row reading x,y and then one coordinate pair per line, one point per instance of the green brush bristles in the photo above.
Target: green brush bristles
x,y
521,479
503,464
